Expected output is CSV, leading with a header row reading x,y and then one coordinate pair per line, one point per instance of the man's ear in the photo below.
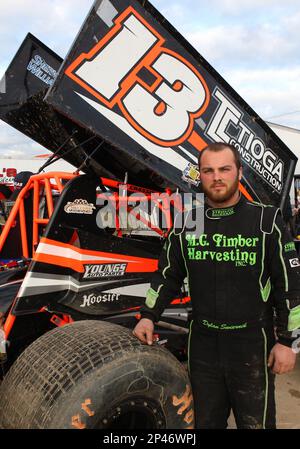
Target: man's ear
x,y
240,173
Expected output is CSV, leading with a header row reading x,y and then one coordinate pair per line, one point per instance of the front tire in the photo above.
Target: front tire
x,y
93,374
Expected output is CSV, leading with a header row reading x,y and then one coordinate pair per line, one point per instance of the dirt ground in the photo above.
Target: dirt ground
x,y
287,400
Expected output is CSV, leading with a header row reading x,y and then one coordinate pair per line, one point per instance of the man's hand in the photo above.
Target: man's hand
x,y
144,331
282,359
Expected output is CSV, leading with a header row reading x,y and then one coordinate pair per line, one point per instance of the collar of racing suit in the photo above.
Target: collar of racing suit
x,y
216,213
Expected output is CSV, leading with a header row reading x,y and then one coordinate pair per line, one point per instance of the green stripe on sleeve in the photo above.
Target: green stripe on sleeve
x,y
282,260
151,298
294,318
168,255
265,292
189,347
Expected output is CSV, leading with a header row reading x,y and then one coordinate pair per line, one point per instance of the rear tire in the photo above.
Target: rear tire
x,y
94,374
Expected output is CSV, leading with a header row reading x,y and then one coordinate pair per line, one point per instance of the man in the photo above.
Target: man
x,y
239,270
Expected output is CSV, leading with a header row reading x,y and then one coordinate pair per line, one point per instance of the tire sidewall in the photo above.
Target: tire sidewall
x,y
148,377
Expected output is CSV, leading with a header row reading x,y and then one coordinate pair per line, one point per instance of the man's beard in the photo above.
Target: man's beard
x,y
218,197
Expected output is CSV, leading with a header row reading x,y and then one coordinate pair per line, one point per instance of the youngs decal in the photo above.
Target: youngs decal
x,y
104,270
171,102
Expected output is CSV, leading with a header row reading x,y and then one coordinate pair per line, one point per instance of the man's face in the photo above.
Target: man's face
x,y
219,175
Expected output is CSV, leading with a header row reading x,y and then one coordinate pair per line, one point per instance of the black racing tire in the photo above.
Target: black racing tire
x,y
95,374
5,192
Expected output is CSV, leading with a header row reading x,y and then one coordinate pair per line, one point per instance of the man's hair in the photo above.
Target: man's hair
x,y
220,146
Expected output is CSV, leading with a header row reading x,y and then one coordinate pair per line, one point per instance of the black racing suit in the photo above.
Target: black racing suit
x,y
244,280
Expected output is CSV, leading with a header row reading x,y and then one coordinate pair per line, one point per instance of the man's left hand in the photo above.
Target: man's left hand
x,y
282,359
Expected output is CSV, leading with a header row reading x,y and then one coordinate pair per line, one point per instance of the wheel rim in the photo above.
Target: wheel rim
x,y
134,413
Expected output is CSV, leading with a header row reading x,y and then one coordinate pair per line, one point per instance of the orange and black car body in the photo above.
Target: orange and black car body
x,y
70,268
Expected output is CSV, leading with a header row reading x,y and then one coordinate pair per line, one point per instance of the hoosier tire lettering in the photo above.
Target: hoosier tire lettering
x,y
91,299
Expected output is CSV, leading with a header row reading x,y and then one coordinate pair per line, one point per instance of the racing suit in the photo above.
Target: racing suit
x,y
244,282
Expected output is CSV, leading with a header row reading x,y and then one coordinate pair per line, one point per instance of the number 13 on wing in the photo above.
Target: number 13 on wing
x,y
163,109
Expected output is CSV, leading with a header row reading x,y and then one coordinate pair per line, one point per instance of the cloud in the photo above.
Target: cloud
x,y
269,92
241,45
55,22
237,6
16,145
253,44
226,8
248,33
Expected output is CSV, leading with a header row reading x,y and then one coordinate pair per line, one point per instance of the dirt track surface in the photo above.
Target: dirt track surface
x,y
287,400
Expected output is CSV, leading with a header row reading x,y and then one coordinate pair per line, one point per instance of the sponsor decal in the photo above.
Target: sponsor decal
x,y
294,262
7,180
18,185
162,110
89,300
198,248
7,176
104,270
79,206
227,125
39,68
191,175
216,213
290,246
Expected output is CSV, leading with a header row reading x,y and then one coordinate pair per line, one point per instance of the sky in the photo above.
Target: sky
x,y
253,44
